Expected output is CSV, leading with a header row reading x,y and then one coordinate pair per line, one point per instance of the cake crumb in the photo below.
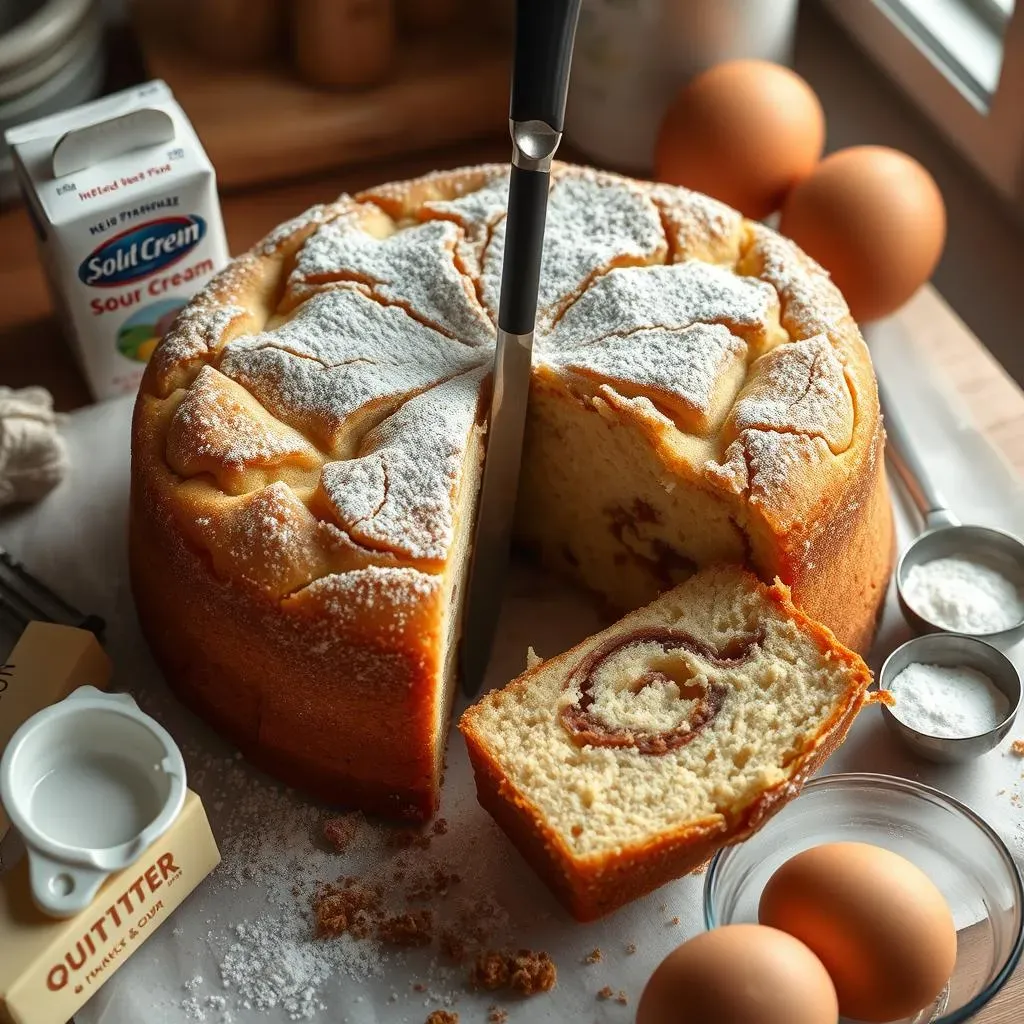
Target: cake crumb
x,y
621,998
443,1017
453,945
606,993
1017,748
348,908
497,1015
339,830
630,948
409,838
440,827
415,929
524,972
595,956
674,921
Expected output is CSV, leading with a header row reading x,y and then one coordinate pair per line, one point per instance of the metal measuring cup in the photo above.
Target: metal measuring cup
x,y
943,535
954,650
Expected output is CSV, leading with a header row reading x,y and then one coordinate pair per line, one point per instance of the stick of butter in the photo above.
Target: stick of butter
x,y
47,663
49,968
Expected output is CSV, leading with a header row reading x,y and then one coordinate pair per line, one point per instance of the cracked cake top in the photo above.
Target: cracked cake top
x,y
315,404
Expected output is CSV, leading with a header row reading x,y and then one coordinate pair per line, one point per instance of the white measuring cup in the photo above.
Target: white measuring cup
x,y
89,783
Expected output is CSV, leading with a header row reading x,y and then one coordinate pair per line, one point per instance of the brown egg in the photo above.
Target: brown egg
x,y
739,974
745,132
877,922
875,220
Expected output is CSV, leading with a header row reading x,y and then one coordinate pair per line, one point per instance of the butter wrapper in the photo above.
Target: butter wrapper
x,y
49,968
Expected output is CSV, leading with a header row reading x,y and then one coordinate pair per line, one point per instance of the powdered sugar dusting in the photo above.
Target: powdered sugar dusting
x,y
672,296
414,267
219,426
338,353
591,226
197,334
688,369
398,492
799,388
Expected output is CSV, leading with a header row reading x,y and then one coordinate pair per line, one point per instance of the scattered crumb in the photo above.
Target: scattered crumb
x,y
409,838
1017,748
415,929
443,1017
418,986
496,1015
340,830
428,884
595,956
609,993
347,908
674,921
630,948
453,945
440,827
524,972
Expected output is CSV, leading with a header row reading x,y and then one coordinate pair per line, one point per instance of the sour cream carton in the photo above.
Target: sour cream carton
x,y
124,202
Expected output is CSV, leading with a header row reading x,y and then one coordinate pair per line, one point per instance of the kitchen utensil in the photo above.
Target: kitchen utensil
x,y
24,599
944,535
540,78
958,850
89,783
952,649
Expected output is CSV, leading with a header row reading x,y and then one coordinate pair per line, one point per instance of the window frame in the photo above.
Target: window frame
x,y
992,140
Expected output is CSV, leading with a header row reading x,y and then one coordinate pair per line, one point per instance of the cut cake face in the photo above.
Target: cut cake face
x,y
632,758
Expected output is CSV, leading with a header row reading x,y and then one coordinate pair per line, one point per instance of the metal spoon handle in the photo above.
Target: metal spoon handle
x,y
907,463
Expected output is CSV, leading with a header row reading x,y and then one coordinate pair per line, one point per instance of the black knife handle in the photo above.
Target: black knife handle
x,y
540,73
524,244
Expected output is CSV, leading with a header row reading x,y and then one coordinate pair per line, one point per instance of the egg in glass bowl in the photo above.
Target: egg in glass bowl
x,y
961,854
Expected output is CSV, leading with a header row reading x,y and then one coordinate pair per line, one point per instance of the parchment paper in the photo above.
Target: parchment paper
x,y
76,541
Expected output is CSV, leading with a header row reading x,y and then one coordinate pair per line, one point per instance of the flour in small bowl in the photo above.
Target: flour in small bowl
x,y
963,595
950,701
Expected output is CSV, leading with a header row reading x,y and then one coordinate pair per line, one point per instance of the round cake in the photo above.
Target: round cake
x,y
308,439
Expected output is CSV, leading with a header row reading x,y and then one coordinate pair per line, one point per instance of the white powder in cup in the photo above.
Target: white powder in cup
x,y
950,701
963,595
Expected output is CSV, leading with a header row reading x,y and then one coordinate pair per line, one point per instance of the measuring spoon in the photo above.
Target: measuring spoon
x,y
944,536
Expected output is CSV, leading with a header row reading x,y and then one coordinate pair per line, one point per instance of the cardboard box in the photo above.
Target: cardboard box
x,y
124,201
50,967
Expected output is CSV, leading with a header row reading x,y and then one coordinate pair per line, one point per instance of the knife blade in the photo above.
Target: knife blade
x,y
545,30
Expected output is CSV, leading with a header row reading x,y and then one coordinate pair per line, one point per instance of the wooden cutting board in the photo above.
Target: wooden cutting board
x,y
262,124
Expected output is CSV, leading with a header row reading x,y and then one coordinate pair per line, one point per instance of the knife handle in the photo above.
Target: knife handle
x,y
540,73
524,245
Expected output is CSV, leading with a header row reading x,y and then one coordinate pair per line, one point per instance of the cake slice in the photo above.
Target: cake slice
x,y
629,760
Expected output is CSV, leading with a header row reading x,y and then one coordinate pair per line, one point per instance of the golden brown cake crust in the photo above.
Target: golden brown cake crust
x,y
595,885
296,574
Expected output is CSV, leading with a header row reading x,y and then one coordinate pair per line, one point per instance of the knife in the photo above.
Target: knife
x,y
545,30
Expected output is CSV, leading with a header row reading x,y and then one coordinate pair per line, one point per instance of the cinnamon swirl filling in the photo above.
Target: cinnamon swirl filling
x,y
581,721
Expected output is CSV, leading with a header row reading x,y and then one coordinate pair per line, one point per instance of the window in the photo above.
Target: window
x,y
962,62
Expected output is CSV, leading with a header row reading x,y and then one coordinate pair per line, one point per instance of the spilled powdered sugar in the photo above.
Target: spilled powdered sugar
x,y
275,859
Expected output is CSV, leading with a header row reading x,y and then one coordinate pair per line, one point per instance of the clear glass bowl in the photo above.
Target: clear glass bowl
x,y
949,842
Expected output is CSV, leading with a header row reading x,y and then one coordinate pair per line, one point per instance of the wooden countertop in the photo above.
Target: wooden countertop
x,y
32,350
